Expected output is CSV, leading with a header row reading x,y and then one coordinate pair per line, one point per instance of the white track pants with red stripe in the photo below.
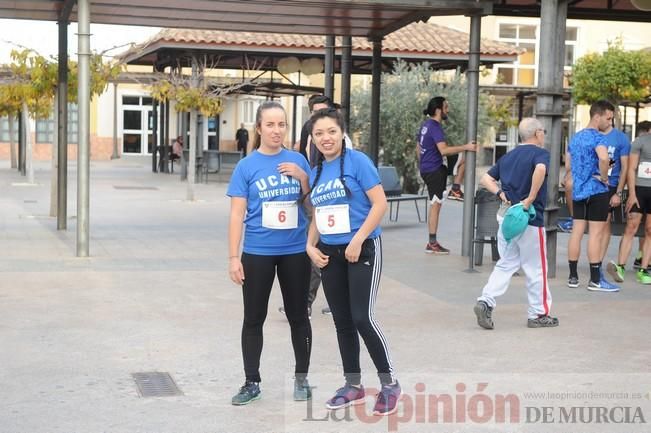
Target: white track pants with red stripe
x,y
528,252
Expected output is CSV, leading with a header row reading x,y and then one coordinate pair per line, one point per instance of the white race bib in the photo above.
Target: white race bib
x,y
332,220
644,170
281,215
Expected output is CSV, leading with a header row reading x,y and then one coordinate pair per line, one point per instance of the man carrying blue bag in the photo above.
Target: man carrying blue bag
x,y
522,174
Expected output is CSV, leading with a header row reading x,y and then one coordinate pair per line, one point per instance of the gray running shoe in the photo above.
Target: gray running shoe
x,y
573,282
302,390
484,315
542,322
249,392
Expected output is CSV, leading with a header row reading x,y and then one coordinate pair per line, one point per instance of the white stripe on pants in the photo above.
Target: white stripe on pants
x,y
528,252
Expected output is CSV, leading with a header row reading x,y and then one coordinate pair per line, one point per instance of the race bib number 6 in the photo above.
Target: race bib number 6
x,y
280,215
332,220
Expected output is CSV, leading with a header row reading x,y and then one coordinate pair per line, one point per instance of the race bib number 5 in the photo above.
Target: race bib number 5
x,y
280,215
332,220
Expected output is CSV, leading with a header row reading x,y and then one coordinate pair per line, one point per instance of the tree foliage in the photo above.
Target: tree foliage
x,y
186,96
405,93
616,75
34,80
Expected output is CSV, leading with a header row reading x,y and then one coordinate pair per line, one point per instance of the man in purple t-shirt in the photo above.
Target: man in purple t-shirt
x,y
432,147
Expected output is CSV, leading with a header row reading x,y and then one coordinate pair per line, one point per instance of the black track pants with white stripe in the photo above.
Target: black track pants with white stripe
x,y
351,290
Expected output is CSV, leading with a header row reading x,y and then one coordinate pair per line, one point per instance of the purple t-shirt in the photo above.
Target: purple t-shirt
x,y
430,157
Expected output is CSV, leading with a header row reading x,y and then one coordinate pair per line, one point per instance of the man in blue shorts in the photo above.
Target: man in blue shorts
x,y
590,162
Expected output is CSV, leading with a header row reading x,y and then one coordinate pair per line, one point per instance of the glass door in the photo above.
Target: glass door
x,y
137,125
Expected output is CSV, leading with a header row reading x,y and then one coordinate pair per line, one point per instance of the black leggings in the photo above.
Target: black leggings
x,y
293,277
351,290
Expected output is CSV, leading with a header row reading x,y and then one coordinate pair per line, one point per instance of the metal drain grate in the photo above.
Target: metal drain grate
x,y
156,384
136,188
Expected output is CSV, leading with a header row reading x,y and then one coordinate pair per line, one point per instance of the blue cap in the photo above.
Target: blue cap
x,y
516,220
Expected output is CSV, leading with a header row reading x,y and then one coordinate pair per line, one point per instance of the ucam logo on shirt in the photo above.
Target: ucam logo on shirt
x,y
277,185
326,191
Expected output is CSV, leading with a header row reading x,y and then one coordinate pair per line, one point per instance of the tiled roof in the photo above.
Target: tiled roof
x,y
415,38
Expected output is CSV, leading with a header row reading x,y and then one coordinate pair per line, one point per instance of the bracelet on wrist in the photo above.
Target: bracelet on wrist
x,y
499,193
233,257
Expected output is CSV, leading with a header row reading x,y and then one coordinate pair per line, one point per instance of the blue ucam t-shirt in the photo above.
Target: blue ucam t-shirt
x,y
618,146
256,179
329,197
584,163
514,171
430,156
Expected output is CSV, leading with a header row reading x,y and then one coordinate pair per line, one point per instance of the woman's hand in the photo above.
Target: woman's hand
x,y
236,271
353,251
319,259
293,170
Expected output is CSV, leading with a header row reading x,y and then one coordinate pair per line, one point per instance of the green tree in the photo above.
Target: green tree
x,y
616,75
405,93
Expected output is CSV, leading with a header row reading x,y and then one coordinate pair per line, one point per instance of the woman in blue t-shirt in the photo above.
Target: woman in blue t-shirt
x,y
266,190
344,241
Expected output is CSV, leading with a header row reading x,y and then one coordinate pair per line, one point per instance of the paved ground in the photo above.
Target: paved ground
x,y
155,296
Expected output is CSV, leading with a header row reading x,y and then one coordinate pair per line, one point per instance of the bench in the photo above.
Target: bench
x,y
216,160
393,191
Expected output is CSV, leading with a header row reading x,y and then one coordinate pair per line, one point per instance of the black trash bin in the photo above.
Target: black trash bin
x,y
487,205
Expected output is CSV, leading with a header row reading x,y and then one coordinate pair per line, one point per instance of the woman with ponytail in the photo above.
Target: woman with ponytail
x,y
344,241
266,190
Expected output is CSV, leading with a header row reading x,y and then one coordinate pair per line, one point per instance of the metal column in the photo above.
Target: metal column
x,y
83,142
346,66
374,139
329,77
62,127
115,154
549,110
472,77
154,135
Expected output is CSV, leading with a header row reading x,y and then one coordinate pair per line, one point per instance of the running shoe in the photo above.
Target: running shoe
x,y
387,399
302,390
615,271
643,276
346,396
436,248
542,321
637,263
565,226
603,286
455,195
573,282
326,310
249,392
484,315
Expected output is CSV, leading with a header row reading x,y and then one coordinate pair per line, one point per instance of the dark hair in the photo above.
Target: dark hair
x,y
600,107
319,99
434,104
267,105
643,126
330,113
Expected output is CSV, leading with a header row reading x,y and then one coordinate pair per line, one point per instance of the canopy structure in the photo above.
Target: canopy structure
x,y
368,18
